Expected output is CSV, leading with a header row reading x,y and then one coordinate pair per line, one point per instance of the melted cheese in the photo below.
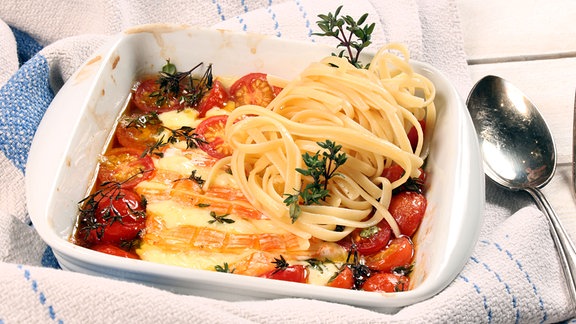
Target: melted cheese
x,y
176,119
194,259
174,214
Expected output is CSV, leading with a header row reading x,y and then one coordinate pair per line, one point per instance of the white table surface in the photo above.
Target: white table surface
x,y
531,43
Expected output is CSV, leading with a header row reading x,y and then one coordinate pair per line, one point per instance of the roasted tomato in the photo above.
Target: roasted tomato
x,y
386,282
148,97
114,250
125,166
398,254
211,131
295,273
119,216
138,131
393,172
216,97
408,208
252,89
344,279
369,240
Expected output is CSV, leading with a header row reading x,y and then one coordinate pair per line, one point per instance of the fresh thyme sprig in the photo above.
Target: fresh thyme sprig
x,y
170,84
321,168
353,36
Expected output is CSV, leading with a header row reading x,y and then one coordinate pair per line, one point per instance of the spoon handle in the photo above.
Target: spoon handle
x,y
564,245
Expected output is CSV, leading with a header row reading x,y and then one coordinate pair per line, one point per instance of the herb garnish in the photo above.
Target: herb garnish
x,y
318,264
412,184
184,133
368,232
224,268
220,218
196,178
280,264
89,205
403,270
321,168
360,271
354,40
170,84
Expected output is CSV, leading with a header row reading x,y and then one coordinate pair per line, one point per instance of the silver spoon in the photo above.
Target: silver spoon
x,y
519,153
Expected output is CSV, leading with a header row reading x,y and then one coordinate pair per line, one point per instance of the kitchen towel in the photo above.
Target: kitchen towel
x,y
513,275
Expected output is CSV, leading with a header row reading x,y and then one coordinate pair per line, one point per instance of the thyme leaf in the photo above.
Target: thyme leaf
x,y
221,219
225,268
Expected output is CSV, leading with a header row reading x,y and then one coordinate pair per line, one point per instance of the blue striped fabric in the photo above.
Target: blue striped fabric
x,y
23,101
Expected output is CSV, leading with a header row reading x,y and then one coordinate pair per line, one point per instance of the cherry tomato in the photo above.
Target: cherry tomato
x,y
211,130
398,254
252,89
369,240
114,250
413,134
147,97
137,131
386,282
408,208
344,279
216,97
120,217
295,273
126,166
393,172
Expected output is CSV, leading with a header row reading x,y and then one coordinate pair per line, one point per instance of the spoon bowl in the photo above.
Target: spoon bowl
x,y
518,148
519,153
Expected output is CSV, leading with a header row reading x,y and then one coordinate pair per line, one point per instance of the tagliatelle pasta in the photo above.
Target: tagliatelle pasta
x,y
368,112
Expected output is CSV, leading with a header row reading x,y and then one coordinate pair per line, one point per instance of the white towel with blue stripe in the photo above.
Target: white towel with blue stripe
x,y
513,275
